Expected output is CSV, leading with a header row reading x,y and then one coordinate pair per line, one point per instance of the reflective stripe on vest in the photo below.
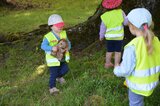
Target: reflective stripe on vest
x,y
51,60
142,87
67,57
111,34
146,73
113,21
145,77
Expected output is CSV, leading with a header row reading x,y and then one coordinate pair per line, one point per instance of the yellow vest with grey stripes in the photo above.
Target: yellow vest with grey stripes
x,y
53,41
145,76
113,21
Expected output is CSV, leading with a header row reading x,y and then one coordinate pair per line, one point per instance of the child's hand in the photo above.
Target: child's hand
x,y
54,49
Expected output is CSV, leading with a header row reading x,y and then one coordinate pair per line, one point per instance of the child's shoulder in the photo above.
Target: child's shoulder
x,y
63,32
48,33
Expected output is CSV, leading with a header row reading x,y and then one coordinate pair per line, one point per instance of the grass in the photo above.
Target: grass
x,y
24,80
24,75
16,21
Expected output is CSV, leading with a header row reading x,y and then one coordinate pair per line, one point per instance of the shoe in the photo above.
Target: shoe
x,y
61,80
54,90
108,65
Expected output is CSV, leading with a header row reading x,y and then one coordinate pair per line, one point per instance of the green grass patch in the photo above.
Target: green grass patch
x,y
24,80
73,12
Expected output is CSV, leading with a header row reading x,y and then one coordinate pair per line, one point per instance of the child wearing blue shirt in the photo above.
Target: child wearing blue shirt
x,y
58,68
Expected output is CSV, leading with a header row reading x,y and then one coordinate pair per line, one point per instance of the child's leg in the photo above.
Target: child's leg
x,y
110,50
117,58
135,99
108,57
63,70
53,76
108,63
118,48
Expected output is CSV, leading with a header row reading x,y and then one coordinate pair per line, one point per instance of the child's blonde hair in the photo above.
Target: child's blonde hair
x,y
148,36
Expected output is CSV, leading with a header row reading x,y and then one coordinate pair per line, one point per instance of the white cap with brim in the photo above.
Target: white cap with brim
x,y
54,19
140,16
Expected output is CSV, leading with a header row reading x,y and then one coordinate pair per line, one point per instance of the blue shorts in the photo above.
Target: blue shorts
x,y
114,45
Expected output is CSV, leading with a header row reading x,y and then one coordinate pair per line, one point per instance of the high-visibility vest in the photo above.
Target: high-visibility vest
x,y
50,59
113,21
145,76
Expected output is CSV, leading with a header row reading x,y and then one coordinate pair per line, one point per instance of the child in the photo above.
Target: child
x,y
112,29
58,68
141,59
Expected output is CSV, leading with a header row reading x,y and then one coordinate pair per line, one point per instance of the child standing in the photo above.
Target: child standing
x,y
141,59
58,68
112,29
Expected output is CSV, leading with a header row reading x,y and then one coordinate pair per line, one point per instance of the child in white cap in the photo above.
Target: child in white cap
x,y
141,59
112,30
58,68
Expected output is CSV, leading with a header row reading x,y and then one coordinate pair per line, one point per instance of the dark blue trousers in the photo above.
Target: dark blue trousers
x,y
57,72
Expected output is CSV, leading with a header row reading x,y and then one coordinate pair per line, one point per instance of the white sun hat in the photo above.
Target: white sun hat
x,y
140,16
54,19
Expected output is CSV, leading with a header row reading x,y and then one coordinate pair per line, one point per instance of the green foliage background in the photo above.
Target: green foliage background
x,y
24,19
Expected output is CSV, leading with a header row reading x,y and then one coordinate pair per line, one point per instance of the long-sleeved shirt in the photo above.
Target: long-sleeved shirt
x,y
128,63
45,44
103,28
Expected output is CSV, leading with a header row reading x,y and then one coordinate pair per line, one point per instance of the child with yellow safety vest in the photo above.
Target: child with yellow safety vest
x,y
141,59
112,30
58,67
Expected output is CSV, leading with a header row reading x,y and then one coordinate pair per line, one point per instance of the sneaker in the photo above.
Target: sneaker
x,y
108,65
61,80
54,90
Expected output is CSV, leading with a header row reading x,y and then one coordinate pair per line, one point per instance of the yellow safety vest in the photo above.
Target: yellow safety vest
x,y
145,76
113,20
51,60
